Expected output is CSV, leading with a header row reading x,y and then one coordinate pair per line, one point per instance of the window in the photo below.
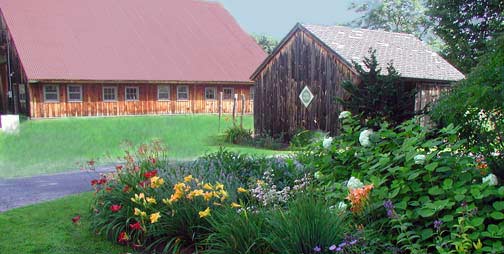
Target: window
x,y
228,93
74,93
252,93
51,93
182,93
132,93
109,93
163,93
22,93
210,93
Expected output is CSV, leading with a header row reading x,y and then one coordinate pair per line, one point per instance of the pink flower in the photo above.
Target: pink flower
x,y
76,219
136,226
115,208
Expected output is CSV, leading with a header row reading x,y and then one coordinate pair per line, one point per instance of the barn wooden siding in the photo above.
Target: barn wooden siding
x,y
93,105
301,62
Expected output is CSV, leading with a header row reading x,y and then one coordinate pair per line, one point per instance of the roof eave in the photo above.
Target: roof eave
x,y
96,81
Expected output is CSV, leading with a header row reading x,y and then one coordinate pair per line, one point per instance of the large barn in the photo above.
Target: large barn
x,y
297,85
122,57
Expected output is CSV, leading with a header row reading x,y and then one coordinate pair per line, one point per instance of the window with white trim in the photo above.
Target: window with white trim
x,y
210,93
132,93
51,93
74,93
228,93
182,93
109,93
252,93
163,93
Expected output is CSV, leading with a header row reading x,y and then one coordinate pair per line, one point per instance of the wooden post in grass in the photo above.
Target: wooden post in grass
x,y
235,99
220,108
242,109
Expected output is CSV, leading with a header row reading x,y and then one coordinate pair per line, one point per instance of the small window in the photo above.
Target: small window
x,y
182,93
228,93
51,93
109,93
210,93
22,93
74,93
252,93
163,93
132,93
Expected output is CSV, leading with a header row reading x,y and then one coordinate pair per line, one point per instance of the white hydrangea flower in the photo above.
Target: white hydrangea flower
x,y
317,175
342,206
491,179
326,143
364,138
419,159
345,114
354,183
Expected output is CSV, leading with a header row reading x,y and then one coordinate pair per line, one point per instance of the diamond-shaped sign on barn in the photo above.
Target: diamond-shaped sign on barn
x,y
306,96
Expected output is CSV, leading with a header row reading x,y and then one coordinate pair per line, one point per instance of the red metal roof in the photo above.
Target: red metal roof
x,y
165,40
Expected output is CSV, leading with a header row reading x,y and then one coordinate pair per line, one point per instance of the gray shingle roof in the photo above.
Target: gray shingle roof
x,y
410,56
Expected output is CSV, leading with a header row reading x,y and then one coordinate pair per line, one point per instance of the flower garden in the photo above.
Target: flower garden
x,y
404,189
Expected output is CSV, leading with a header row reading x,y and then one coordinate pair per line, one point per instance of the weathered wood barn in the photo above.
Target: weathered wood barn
x,y
107,57
312,61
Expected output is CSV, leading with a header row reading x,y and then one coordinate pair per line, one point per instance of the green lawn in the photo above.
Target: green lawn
x,y
48,228
55,145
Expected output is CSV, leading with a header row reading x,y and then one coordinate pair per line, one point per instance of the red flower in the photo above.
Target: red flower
x,y
144,183
91,163
126,188
150,174
94,182
115,208
76,219
123,237
119,167
136,226
153,160
108,189
102,181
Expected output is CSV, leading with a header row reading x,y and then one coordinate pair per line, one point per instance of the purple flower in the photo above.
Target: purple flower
x,y
317,249
437,224
339,249
332,248
343,244
388,205
353,242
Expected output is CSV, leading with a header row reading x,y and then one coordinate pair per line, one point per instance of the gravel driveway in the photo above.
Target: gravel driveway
x,y
19,192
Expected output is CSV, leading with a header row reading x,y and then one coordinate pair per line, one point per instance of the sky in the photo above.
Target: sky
x,y
277,17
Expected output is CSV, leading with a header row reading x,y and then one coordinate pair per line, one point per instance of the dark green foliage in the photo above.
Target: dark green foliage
x,y
378,96
306,224
446,186
268,43
465,26
239,233
238,135
304,138
477,105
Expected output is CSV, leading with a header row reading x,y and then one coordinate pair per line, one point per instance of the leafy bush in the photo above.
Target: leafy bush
x,y
475,104
427,177
238,135
304,138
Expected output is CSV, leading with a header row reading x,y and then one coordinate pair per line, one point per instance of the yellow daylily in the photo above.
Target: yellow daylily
x,y
241,190
235,205
138,197
188,178
151,200
208,195
156,182
140,213
224,195
205,213
219,186
208,186
166,201
154,217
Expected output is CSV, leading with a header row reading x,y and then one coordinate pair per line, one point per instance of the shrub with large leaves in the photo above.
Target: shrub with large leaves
x,y
426,176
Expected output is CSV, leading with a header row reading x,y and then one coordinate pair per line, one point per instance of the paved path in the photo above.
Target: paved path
x,y
19,192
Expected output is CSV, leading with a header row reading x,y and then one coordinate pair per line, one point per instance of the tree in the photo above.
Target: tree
x,y
466,26
406,16
476,104
268,43
378,96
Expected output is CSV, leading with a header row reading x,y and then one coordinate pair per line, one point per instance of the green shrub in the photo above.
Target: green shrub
x,y
240,233
238,135
304,138
307,224
427,176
